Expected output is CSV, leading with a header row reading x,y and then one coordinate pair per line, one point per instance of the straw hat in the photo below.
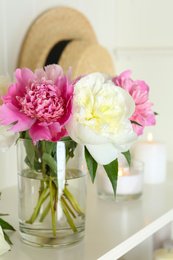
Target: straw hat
x,y
80,47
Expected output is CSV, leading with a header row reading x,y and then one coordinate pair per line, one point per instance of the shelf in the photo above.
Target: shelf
x,y
112,229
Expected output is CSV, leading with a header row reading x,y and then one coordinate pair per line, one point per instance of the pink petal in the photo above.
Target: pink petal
x,y
151,120
13,91
23,76
56,132
68,75
51,133
40,73
126,74
142,85
38,132
69,110
10,114
62,84
18,74
26,75
53,71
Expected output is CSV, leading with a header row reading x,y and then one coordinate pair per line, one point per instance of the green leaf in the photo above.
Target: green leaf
x,y
156,114
6,225
7,238
50,147
30,153
70,146
112,172
134,122
4,215
49,160
127,156
91,164
66,138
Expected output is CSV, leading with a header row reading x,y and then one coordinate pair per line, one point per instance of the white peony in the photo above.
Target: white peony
x,y
4,246
100,117
7,138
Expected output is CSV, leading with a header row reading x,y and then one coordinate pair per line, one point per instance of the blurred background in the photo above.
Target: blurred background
x,y
137,34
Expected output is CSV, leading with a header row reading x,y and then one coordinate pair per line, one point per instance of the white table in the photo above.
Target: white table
x,y
112,229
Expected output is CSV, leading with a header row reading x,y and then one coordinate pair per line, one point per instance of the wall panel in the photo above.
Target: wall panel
x,y
145,23
18,17
156,69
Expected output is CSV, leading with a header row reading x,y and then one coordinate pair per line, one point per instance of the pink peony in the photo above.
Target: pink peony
x,y
139,90
41,102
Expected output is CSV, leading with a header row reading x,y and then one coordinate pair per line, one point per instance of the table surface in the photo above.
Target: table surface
x,y
112,228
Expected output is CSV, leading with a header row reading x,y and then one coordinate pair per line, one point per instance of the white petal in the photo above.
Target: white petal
x,y
7,138
127,136
83,135
122,148
4,246
103,153
130,104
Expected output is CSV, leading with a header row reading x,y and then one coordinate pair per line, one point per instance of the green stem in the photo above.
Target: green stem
x,y
45,212
43,165
74,202
47,195
69,219
52,207
40,201
67,206
43,162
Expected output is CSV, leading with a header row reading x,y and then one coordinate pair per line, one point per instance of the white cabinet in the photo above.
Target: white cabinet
x,y
112,229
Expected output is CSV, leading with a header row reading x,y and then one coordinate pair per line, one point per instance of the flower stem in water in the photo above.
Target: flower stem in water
x,y
52,207
34,215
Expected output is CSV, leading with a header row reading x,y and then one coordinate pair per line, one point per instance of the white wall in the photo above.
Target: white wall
x,y
137,33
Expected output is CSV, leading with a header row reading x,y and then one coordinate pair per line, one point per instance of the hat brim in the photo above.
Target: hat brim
x,y
53,26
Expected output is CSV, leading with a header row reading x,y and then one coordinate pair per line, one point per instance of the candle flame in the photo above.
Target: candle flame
x,y
120,172
150,137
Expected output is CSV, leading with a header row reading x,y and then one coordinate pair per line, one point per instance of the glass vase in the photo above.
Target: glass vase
x,y
52,188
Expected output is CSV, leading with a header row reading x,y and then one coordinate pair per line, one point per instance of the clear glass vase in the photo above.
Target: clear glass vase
x,y
52,192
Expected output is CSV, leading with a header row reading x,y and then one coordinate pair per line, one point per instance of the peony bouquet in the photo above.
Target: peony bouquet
x,y
105,114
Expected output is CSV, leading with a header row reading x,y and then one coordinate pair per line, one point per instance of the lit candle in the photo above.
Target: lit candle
x,y
129,181
153,155
163,254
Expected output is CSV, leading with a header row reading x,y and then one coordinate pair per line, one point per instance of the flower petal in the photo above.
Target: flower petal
x,y
7,138
57,132
38,132
10,114
53,71
103,153
26,75
4,246
127,136
142,85
126,74
130,104
82,134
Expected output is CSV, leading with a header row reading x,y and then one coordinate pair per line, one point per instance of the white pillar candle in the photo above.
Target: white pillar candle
x,y
153,155
163,254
